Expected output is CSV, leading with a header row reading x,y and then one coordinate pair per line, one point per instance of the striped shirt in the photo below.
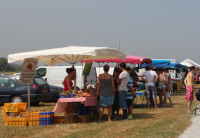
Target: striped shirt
x,y
129,94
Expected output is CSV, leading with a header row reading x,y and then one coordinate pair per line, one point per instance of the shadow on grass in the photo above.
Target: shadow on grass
x,y
143,116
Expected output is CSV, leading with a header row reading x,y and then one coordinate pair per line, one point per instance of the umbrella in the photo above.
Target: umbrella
x,y
70,54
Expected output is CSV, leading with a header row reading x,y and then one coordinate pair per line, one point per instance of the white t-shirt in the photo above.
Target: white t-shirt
x,y
150,75
124,76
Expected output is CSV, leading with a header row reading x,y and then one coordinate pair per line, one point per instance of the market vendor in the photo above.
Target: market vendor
x,y
68,79
134,76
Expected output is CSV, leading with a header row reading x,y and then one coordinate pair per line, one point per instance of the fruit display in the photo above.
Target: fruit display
x,y
90,92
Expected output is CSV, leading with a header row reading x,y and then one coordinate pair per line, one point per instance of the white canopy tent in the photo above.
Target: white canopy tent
x,y
190,63
70,54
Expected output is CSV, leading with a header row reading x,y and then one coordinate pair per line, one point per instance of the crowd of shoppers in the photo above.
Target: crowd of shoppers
x,y
116,92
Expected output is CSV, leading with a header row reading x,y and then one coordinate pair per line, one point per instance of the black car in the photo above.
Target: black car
x,y
12,91
55,90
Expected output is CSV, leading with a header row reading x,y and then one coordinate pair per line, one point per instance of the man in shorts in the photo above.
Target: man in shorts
x,y
150,77
130,95
122,90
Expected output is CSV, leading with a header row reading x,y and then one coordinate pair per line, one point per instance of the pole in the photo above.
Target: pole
x,y
29,102
119,46
74,79
118,49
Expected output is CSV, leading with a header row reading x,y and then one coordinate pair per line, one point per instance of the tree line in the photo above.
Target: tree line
x,y
10,67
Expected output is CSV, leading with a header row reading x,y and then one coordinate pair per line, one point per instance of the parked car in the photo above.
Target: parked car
x,y
55,90
17,74
55,75
12,91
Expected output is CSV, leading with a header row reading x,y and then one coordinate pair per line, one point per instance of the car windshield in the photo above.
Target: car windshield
x,y
38,81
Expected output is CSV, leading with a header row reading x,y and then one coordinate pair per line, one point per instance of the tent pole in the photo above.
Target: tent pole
x,y
74,79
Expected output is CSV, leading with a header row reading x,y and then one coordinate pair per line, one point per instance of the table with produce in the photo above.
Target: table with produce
x,y
78,103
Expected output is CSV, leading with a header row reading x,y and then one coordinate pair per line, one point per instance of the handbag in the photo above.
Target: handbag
x,y
98,98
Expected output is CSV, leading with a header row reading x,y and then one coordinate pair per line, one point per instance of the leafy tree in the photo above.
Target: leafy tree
x,y
3,64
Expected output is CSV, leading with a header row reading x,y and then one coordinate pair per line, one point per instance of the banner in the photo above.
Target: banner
x,y
87,68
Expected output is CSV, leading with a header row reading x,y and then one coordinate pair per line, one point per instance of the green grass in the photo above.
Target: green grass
x,y
164,122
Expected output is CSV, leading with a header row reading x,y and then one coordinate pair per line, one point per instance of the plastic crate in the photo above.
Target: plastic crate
x,y
64,96
19,122
83,110
47,114
46,121
15,107
22,107
34,121
34,114
72,96
3,110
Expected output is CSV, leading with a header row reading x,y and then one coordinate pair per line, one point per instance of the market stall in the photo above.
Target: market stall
x,y
72,55
133,60
178,83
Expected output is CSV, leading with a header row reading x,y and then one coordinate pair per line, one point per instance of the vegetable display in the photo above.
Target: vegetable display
x,y
90,92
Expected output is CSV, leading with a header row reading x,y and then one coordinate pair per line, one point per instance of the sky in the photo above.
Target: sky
x,y
158,29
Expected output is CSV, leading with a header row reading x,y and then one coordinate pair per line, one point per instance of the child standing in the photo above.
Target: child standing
x,y
130,94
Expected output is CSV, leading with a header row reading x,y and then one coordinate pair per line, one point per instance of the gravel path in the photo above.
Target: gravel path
x,y
194,130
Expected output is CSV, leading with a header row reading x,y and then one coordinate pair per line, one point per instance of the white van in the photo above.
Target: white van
x,y
55,75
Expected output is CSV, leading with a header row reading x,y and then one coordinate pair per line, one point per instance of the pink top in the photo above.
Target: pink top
x,y
197,78
65,85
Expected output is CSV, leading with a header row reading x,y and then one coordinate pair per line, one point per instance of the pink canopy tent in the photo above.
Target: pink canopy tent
x,y
129,59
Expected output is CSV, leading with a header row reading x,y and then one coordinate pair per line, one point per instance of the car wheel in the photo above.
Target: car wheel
x,y
17,99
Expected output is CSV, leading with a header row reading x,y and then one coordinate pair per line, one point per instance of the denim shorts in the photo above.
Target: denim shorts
x,y
161,86
122,99
106,101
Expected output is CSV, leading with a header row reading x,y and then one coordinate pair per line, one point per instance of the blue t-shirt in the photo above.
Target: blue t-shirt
x,y
129,94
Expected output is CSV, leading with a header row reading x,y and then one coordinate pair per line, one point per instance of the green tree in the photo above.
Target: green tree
x,y
3,64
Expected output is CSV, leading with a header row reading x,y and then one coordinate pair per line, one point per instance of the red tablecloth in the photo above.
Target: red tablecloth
x,y
63,103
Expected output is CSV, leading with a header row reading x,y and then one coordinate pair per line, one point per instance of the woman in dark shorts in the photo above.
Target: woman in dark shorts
x,y
115,106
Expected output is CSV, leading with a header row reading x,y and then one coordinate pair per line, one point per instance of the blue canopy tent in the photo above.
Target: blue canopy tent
x,y
160,61
171,65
